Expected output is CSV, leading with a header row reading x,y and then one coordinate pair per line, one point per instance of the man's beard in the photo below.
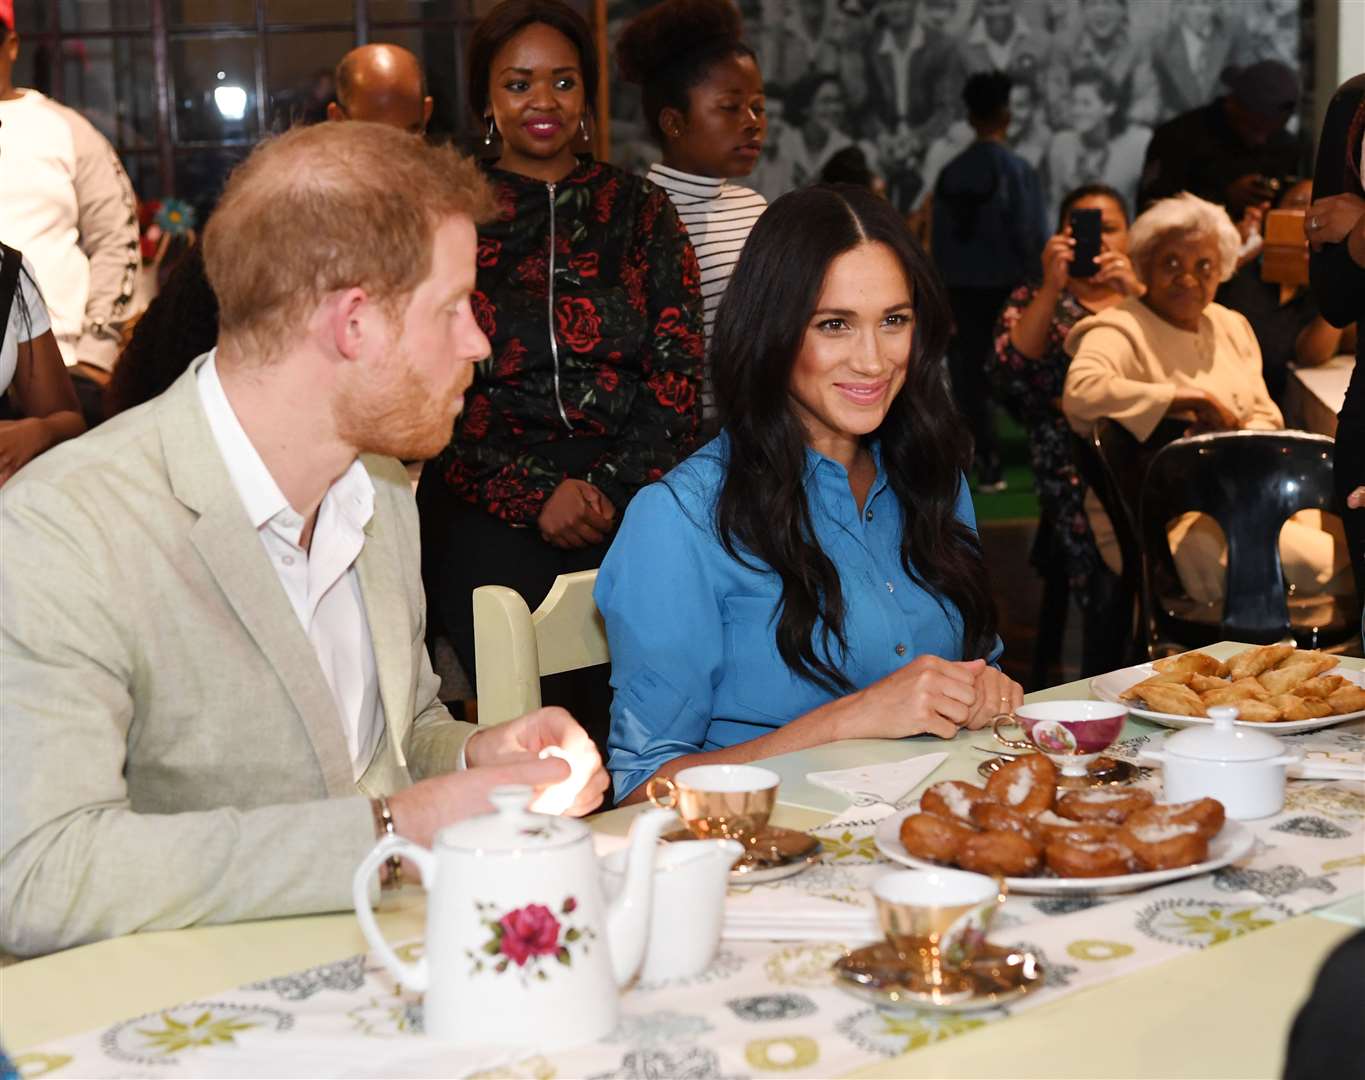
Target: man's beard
x,y
398,417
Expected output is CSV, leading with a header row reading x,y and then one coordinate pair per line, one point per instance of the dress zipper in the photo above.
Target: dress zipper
x,y
550,291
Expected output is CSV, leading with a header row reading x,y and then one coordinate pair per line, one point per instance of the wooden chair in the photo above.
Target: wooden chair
x,y
514,647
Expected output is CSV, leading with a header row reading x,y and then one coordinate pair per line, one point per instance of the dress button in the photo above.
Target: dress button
x,y
900,650
868,515
890,587
288,560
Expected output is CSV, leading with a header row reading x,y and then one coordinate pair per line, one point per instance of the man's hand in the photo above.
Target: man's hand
x,y
1356,500
550,733
576,515
1249,190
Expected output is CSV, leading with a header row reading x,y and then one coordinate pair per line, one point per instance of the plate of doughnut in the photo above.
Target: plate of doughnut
x,y
1276,686
1044,840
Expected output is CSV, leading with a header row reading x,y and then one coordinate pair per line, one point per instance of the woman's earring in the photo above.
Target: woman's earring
x,y
583,127
488,135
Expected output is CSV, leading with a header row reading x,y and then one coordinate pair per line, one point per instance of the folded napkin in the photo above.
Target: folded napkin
x,y
867,785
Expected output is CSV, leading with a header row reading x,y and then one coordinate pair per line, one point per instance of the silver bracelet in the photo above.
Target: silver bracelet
x,y
395,862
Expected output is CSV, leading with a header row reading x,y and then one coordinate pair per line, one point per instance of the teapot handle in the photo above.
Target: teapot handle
x,y
414,976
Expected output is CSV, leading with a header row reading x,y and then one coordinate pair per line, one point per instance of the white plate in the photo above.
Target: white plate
x,y
1228,846
1109,687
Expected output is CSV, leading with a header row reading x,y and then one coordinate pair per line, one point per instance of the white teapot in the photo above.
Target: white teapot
x,y
521,947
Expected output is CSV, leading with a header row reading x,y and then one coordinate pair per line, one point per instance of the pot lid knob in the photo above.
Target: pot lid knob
x,y
1224,741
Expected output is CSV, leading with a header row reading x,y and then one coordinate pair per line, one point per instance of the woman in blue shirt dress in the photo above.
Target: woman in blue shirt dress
x,y
812,574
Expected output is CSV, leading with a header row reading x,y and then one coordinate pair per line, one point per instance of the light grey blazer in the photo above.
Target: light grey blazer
x,y
170,752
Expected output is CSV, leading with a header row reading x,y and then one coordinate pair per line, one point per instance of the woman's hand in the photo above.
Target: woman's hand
x,y
928,696
20,442
996,693
1058,254
1116,271
1330,220
576,515
1209,414
1356,500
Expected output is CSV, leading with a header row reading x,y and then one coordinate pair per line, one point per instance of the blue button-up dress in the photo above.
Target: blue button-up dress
x,y
692,631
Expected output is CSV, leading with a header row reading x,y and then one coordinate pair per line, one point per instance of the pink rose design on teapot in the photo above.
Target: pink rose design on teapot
x,y
529,931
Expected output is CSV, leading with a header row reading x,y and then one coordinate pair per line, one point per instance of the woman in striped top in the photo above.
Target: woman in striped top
x,y
703,98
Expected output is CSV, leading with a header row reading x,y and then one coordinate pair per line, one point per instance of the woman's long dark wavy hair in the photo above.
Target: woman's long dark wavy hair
x,y
925,447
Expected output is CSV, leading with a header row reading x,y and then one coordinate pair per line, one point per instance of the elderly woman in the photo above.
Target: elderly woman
x,y
1174,353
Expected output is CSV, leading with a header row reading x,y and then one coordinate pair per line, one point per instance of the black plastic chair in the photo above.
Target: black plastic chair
x,y
1250,482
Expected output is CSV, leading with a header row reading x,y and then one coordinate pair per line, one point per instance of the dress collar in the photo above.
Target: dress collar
x,y
671,179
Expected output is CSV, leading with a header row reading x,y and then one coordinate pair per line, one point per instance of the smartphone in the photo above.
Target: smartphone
x,y
1085,230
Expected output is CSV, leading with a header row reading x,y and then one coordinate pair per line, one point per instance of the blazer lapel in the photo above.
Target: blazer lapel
x,y
233,554
387,611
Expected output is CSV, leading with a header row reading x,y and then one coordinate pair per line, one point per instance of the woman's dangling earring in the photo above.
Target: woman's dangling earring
x,y
488,135
583,127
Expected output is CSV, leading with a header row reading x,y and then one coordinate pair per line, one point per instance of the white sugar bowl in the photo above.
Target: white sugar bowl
x,y
1242,768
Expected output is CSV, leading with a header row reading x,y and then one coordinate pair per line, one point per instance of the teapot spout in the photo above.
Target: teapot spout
x,y
628,914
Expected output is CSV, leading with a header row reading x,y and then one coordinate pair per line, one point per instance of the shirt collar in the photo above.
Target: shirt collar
x,y
817,462
260,495
690,183
889,47
978,35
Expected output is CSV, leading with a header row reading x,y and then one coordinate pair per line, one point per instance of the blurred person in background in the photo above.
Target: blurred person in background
x,y
704,104
817,126
1335,226
1028,375
1288,325
1234,150
1100,147
67,204
384,84
589,294
1028,135
1106,41
32,374
1173,351
988,230
1191,54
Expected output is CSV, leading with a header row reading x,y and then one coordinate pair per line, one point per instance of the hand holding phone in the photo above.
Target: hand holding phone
x,y
1085,230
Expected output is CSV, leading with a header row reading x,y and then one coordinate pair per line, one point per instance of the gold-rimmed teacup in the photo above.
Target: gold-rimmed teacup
x,y
719,802
937,921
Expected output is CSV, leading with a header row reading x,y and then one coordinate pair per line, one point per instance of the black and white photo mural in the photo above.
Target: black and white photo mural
x,y
1093,78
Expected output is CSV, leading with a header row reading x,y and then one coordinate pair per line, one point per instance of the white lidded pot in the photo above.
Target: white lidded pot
x,y
521,948
1242,768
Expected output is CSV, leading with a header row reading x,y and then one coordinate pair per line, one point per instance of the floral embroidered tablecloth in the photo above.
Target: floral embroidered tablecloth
x,y
762,1008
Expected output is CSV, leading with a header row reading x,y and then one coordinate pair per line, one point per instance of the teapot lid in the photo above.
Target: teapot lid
x,y
511,827
1224,741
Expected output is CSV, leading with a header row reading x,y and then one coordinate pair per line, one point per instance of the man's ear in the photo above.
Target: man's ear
x,y
347,319
427,104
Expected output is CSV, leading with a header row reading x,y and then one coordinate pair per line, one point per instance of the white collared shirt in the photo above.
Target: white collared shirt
x,y
321,583
1000,53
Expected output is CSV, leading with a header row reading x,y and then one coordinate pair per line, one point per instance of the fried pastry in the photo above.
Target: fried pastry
x,y
1344,699
1165,845
952,799
1247,689
1194,663
1026,784
1293,707
993,817
1177,700
1201,684
1254,661
1205,814
1320,687
1283,679
1104,804
1054,827
929,836
1000,853
1135,692
1256,712
1088,858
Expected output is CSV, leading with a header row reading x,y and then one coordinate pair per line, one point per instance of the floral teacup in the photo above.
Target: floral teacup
x,y
1071,733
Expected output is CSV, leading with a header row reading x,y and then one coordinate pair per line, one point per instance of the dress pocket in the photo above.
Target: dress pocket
x,y
758,677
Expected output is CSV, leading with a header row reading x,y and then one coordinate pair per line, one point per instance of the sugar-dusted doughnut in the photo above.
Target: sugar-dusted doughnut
x,y
990,816
951,799
1000,853
1059,828
1088,858
1206,814
930,836
1164,845
1104,804
1026,784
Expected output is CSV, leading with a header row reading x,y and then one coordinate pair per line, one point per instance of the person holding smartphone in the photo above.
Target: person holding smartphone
x,y
1086,270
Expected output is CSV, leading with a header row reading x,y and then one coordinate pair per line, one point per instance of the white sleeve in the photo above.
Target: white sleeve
x,y
37,322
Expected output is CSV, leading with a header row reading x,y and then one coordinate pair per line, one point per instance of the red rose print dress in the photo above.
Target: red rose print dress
x,y
589,292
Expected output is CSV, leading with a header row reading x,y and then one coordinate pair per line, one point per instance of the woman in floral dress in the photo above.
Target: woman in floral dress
x,y
589,295
1028,373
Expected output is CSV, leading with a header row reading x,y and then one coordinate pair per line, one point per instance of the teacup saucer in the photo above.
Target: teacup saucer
x,y
996,976
775,853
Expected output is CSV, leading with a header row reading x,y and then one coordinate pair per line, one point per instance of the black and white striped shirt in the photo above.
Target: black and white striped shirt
x,y
718,216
